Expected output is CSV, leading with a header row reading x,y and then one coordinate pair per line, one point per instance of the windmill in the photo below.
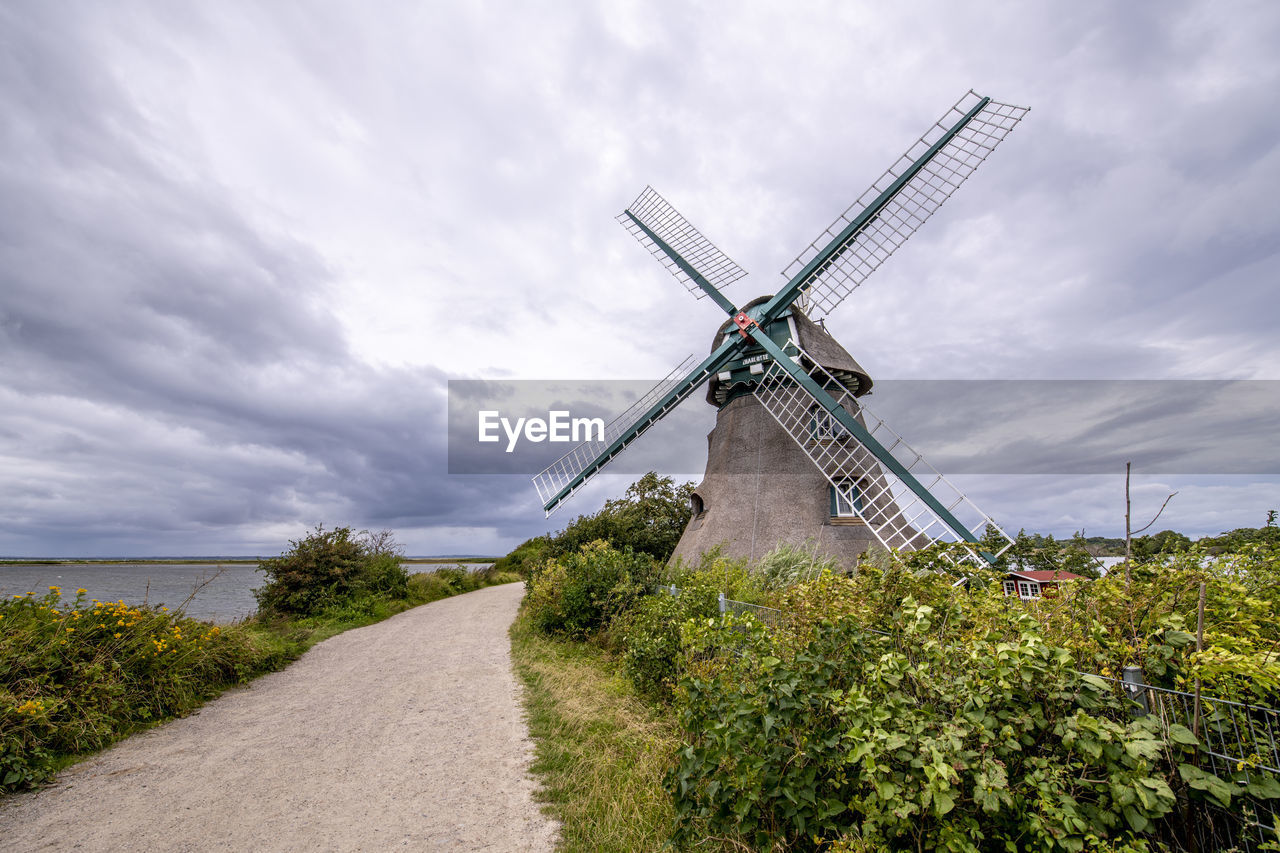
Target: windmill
x,y
795,454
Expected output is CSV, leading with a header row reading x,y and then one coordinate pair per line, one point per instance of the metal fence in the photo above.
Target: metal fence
x,y
1238,742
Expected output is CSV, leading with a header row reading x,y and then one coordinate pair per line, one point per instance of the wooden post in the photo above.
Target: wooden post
x,y
1128,537
1195,714
1193,843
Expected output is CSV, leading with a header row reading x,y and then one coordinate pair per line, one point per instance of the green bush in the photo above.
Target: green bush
x,y
651,633
327,567
75,676
526,556
921,740
578,595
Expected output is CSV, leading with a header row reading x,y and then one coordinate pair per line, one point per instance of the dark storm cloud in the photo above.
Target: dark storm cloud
x,y
243,245
167,365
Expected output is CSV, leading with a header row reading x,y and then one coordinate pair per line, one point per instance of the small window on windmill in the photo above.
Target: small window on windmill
x,y
824,426
846,500
697,508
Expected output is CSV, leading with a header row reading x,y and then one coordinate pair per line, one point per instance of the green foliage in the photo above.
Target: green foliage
x,y
601,750
1148,549
1150,622
526,556
1033,552
651,636
74,676
425,587
648,519
919,740
578,595
325,568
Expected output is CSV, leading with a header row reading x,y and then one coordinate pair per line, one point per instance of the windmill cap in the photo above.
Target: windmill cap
x,y
813,339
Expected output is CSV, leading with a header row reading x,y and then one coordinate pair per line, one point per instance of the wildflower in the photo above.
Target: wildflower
x,y
82,591
117,635
55,589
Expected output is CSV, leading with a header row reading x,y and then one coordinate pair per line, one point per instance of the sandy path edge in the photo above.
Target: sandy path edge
x,y
407,733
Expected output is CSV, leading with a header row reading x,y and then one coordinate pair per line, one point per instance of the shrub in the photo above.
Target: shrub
x,y
579,594
73,677
526,556
919,740
651,634
326,568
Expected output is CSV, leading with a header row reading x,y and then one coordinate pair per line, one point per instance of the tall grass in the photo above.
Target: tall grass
x,y
601,750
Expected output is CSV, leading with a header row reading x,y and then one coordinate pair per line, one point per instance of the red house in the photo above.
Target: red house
x,y
1029,585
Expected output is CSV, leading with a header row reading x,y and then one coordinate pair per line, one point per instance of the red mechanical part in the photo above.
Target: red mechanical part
x,y
743,322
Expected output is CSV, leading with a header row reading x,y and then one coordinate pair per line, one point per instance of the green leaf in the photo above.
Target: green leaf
x,y
943,802
1182,734
1210,784
1264,787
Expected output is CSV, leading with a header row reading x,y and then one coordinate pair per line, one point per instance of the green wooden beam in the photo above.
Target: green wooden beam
x,y
864,437
722,355
684,266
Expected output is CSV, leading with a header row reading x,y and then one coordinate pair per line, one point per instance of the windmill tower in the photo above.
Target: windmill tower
x,y
794,454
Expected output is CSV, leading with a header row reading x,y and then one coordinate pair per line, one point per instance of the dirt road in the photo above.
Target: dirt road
x,y
402,735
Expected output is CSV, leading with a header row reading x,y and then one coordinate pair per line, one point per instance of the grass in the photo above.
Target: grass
x,y
77,676
601,752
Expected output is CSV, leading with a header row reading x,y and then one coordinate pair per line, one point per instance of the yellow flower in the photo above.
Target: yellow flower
x,y
117,635
55,589
81,591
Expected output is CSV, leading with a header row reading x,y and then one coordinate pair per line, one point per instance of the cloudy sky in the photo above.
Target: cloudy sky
x,y
244,246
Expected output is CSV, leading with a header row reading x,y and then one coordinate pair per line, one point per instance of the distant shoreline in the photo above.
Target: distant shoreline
x,y
160,561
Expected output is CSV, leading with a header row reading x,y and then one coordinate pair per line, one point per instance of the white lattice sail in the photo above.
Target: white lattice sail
x,y
653,211
896,515
865,249
555,477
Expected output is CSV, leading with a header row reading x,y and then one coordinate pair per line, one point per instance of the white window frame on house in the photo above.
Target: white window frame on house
x,y
1028,590
1010,587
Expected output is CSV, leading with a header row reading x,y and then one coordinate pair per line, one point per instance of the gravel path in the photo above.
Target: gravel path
x,y
406,734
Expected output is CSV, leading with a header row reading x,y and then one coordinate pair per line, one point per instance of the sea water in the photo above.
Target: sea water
x,y
223,593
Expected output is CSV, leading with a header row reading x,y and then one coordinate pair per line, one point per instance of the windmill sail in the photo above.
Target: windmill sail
x,y
650,216
896,511
898,203
562,478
